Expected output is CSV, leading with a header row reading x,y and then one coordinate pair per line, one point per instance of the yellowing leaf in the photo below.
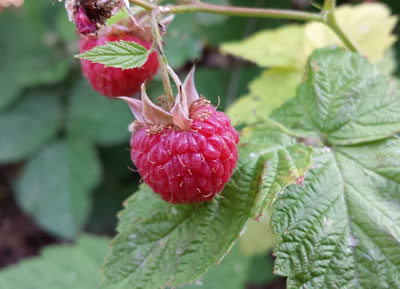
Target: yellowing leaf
x,y
269,48
267,92
369,25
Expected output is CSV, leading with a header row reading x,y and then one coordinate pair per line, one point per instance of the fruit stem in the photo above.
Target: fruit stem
x,y
328,11
198,6
243,11
162,59
326,16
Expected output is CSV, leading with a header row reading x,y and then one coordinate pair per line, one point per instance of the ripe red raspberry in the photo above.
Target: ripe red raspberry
x,y
187,166
113,82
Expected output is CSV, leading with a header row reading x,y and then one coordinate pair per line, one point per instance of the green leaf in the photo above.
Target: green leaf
x,y
56,184
235,271
221,86
347,100
261,270
271,48
30,58
236,28
182,43
231,273
59,267
267,92
258,238
119,54
388,63
92,116
121,14
291,115
285,162
210,19
342,228
29,125
160,244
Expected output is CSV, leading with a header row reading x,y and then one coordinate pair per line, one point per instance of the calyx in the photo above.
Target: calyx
x,y
149,114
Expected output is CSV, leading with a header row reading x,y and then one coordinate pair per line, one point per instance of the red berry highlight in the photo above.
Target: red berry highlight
x,y
187,166
113,82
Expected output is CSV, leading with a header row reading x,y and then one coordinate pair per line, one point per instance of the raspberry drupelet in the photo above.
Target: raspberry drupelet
x,y
186,155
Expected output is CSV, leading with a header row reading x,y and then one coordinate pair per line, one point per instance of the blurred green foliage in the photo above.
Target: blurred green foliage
x,y
73,143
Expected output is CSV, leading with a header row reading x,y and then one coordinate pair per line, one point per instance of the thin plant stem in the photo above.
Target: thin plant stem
x,y
198,6
162,59
330,20
327,16
243,11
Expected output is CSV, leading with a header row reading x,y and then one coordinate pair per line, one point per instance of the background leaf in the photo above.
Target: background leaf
x,y
210,19
369,25
182,43
271,48
93,117
291,114
29,125
55,186
258,238
59,267
231,273
267,92
42,65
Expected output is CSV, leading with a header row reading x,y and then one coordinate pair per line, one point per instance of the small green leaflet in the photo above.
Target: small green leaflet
x,y
119,54
163,245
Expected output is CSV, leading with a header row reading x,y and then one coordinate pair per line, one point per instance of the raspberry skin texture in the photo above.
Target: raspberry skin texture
x,y
113,82
187,166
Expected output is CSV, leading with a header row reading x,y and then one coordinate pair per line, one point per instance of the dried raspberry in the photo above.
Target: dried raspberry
x,y
91,15
187,166
83,23
187,154
113,82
